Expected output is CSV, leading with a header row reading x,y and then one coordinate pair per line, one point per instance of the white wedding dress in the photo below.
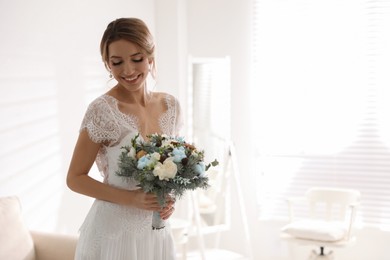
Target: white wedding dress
x,y
111,231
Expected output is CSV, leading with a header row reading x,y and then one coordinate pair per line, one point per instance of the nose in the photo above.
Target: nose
x,y
128,68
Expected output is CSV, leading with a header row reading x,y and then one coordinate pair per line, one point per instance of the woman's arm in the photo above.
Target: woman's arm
x,y
79,181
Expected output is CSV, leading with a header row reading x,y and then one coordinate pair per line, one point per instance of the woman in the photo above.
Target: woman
x,y
118,225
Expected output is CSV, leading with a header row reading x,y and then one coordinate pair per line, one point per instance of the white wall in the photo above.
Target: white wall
x,y
171,48
218,29
51,68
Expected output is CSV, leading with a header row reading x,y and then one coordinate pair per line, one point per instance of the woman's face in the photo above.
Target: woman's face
x,y
128,63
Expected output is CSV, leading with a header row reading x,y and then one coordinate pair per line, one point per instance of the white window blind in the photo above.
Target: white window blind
x,y
30,154
321,89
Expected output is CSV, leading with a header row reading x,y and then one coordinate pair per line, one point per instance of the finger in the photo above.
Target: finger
x,y
167,210
153,208
151,195
167,213
150,200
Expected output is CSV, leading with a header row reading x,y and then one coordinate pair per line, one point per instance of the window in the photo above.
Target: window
x,y
209,104
321,92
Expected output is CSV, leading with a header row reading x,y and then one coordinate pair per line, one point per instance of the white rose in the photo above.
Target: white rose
x,y
131,153
156,156
166,170
166,143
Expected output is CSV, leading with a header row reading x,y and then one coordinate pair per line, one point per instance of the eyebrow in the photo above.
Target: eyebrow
x,y
132,55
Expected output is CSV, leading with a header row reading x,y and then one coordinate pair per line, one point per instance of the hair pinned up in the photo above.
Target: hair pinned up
x,y
133,30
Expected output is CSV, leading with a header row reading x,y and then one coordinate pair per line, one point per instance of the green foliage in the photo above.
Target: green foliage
x,y
187,177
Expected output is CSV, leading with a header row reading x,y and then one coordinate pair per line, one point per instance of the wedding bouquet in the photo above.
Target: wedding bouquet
x,y
164,165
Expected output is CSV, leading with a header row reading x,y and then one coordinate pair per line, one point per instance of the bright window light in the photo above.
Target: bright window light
x,y
321,101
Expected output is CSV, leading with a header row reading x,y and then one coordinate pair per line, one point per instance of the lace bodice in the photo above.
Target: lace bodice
x,y
106,124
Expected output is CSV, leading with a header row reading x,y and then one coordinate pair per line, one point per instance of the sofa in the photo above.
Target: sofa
x,y
19,243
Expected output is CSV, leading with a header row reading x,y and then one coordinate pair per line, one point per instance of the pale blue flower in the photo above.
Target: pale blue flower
x,y
143,162
180,139
178,153
200,169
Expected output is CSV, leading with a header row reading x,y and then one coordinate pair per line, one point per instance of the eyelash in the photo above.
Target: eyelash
x,y
120,62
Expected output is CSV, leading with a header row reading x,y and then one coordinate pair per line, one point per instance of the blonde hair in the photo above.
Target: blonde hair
x,y
133,30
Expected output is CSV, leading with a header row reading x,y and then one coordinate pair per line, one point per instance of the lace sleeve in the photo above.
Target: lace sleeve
x,y
100,123
171,122
179,118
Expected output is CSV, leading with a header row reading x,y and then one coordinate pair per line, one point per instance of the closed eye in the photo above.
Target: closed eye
x,y
116,63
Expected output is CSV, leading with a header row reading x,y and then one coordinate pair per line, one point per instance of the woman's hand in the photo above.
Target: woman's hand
x,y
146,201
169,208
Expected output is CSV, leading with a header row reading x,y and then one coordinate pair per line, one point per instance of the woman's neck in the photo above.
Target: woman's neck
x,y
140,96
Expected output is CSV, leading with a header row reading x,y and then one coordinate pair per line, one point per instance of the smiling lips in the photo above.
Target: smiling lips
x,y
132,79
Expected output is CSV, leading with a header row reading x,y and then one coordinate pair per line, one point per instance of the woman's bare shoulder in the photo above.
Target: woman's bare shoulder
x,y
163,97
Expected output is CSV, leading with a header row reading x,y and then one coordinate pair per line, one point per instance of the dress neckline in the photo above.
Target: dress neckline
x,y
133,119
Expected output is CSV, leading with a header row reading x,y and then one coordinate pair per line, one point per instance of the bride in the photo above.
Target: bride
x,y
118,225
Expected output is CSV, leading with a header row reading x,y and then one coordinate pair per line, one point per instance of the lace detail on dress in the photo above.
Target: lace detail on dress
x,y
168,119
128,120
104,121
106,124
98,120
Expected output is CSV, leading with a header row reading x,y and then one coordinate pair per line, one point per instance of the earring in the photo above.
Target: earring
x,y
110,75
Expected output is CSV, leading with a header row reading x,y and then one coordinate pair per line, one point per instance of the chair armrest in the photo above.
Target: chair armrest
x,y
352,216
49,246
